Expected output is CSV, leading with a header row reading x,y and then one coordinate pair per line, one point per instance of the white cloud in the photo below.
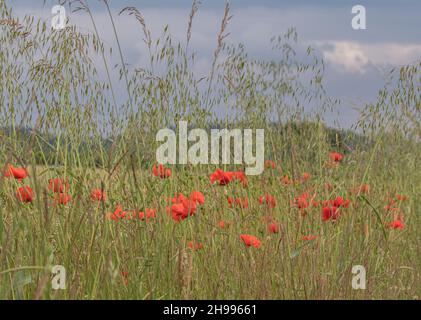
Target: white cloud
x,y
355,57
348,55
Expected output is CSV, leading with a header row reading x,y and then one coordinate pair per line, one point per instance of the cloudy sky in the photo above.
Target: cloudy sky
x,y
357,61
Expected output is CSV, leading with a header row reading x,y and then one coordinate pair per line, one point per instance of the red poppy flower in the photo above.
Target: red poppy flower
x,y
98,195
270,164
301,201
161,171
250,241
337,202
225,178
189,207
221,224
401,197
177,212
178,199
221,176
341,202
336,157
273,227
306,176
58,185
240,175
197,197
269,200
25,194
118,214
231,201
397,224
148,214
391,205
308,238
184,207
194,246
62,198
330,213
17,173
314,203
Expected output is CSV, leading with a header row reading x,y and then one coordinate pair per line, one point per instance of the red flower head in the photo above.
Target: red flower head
x,y
401,197
308,238
58,185
98,195
338,202
306,176
273,227
397,224
314,203
161,171
341,202
225,178
25,194
118,214
222,224
250,241
269,200
330,213
301,202
270,164
221,176
184,207
240,175
197,197
62,198
336,157
17,173
194,246
147,215
178,212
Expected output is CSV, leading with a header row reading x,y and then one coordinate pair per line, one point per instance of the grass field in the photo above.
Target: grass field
x,y
315,215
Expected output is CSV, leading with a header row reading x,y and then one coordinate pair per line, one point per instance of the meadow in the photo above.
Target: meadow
x,y
80,186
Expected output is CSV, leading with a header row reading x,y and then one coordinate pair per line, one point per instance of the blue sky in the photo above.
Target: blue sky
x,y
357,61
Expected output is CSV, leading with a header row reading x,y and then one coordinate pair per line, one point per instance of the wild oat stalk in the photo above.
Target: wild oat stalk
x,y
193,11
222,35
